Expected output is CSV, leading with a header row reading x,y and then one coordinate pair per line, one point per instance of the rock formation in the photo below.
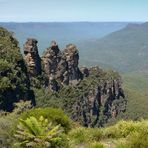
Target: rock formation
x,y
90,96
100,102
96,95
71,55
51,58
32,57
62,66
84,71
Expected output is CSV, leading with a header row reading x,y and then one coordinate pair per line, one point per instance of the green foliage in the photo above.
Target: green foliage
x,y
124,134
124,128
96,145
138,139
7,122
14,82
22,106
57,116
85,135
78,135
4,65
120,50
37,133
135,87
10,123
68,97
135,140
9,47
5,84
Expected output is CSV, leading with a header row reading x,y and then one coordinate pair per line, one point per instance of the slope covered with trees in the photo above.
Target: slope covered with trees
x,y
14,80
89,96
125,50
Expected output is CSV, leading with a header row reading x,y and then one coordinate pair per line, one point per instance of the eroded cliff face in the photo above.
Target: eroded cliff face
x,y
61,67
99,97
90,96
71,55
100,102
32,57
96,95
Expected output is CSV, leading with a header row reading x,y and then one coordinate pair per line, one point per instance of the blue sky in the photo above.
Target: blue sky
x,y
73,10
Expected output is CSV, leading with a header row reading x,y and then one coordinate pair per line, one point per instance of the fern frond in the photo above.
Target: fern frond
x,y
27,125
36,126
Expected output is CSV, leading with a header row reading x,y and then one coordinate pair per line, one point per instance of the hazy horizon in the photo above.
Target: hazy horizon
x,y
73,11
74,21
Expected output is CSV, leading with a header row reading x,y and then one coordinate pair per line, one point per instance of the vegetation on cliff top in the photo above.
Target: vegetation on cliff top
x,y
19,129
14,82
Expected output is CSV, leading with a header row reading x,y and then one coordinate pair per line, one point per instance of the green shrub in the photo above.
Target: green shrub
x,y
85,135
4,65
138,139
22,106
14,80
95,134
135,140
73,99
7,122
96,145
124,128
124,134
56,116
122,145
78,135
34,132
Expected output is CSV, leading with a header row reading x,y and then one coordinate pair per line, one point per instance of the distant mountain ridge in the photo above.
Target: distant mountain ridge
x,y
133,25
121,46
125,50
62,32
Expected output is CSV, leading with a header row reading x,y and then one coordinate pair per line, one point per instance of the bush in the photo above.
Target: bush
x,y
138,139
124,134
56,116
96,145
124,128
7,122
14,80
135,140
34,132
4,65
78,135
85,135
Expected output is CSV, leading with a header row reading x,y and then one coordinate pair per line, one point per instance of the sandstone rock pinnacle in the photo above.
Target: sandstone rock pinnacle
x,y
32,58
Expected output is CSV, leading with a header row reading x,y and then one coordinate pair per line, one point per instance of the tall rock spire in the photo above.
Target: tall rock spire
x,y
32,57
62,65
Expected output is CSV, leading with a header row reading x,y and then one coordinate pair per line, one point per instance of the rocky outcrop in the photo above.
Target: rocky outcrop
x,y
90,96
51,58
61,66
32,57
96,95
71,55
84,71
99,102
